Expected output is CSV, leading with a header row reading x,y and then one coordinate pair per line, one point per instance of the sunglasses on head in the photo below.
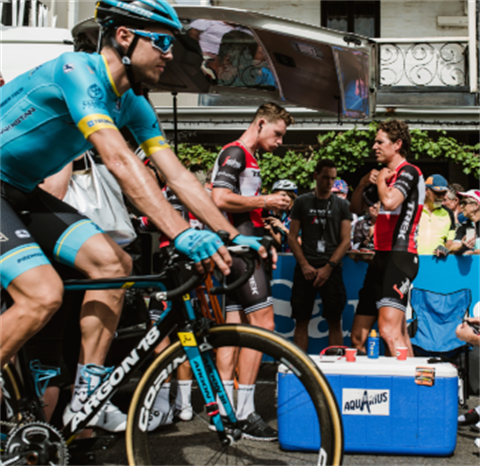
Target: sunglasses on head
x,y
162,42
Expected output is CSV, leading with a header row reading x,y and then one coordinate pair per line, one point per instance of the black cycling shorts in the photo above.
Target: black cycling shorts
x,y
332,293
37,224
255,295
387,282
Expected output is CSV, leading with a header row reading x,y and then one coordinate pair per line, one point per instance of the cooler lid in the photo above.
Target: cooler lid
x,y
381,366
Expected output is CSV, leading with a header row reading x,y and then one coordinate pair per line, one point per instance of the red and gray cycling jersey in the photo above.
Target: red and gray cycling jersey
x,y
397,230
236,169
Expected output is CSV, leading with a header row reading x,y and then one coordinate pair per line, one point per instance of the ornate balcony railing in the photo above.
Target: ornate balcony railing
x,y
426,62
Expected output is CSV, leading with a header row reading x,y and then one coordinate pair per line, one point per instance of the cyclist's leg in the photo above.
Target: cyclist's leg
x,y
400,270
74,240
26,273
255,297
100,257
249,360
37,295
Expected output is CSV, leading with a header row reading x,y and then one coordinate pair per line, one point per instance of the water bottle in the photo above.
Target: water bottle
x,y
373,345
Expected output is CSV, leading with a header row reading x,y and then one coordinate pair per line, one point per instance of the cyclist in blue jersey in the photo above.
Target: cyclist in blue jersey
x,y
51,115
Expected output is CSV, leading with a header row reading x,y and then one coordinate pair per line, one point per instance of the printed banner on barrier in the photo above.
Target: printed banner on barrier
x,y
365,402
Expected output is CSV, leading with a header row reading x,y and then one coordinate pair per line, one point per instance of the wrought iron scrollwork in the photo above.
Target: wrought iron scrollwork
x,y
423,64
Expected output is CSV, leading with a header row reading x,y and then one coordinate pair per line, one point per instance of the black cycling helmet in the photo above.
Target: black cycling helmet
x,y
140,14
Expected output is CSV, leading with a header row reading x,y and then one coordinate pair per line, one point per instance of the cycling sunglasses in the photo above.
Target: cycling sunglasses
x,y
162,42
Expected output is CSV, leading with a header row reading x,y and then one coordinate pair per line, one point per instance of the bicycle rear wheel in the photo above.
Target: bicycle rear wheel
x,y
192,442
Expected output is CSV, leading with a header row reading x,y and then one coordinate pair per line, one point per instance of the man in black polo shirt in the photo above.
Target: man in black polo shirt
x,y
325,223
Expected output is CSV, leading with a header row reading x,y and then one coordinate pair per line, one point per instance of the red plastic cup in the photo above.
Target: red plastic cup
x,y
351,354
402,353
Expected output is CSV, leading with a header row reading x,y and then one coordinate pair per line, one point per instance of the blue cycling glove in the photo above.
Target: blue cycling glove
x,y
250,241
197,244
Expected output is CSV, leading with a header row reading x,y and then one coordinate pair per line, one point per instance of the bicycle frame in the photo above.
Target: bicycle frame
x,y
200,358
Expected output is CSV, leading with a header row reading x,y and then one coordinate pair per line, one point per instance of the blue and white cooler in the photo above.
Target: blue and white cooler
x,y
388,406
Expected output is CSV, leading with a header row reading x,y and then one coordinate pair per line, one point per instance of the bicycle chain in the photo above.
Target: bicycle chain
x,y
8,424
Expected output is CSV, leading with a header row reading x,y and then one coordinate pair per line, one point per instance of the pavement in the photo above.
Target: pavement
x,y
188,443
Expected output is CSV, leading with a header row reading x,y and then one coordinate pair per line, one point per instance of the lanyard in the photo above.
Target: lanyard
x,y
322,218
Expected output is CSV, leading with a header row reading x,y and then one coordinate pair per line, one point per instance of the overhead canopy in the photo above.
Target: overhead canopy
x,y
226,50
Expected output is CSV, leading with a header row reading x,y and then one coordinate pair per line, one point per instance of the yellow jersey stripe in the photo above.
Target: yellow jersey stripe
x,y
17,252
152,145
79,224
110,78
95,122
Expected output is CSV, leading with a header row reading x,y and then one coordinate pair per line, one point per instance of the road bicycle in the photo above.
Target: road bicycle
x,y
28,439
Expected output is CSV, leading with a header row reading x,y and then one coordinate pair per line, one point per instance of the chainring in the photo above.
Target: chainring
x,y
37,443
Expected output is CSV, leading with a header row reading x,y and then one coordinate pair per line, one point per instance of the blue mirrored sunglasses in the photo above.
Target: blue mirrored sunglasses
x,y
162,42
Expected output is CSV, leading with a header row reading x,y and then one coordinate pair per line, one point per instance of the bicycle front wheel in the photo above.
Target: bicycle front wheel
x,y
291,395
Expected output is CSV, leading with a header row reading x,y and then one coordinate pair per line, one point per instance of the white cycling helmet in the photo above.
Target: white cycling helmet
x,y
284,185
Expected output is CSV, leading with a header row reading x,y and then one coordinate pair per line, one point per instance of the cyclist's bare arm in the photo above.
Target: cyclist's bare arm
x,y
136,182
189,190
143,190
228,201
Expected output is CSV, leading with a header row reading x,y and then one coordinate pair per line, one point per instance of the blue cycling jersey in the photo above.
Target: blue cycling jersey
x,y
48,113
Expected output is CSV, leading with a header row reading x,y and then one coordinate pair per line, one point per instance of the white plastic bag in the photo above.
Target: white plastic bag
x,y
95,193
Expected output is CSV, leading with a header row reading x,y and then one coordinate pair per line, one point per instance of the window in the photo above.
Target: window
x,y
360,17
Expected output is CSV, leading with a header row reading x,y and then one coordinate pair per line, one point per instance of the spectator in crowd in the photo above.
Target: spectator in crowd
x,y
400,188
452,201
436,228
277,224
467,236
325,223
466,332
340,188
363,231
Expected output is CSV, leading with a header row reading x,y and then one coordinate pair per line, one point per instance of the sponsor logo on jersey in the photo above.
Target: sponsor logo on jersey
x,y
94,104
407,175
3,238
406,221
403,288
10,97
253,285
21,118
95,91
366,402
30,256
68,68
228,175
231,163
99,121
22,234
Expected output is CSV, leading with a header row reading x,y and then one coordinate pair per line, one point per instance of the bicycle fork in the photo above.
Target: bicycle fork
x,y
206,374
